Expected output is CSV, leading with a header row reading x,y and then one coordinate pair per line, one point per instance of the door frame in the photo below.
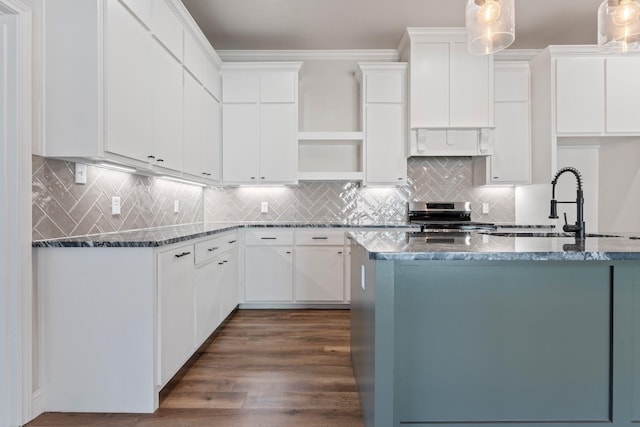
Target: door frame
x,y
16,286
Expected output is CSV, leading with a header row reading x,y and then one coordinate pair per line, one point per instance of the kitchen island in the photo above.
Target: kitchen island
x,y
495,329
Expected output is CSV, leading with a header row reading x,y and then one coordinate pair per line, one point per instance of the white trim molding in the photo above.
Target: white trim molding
x,y
15,221
371,55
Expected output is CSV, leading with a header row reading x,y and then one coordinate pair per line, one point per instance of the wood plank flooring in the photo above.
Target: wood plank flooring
x,y
263,368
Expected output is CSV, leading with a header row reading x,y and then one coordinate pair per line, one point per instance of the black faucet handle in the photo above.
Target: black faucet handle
x,y
554,209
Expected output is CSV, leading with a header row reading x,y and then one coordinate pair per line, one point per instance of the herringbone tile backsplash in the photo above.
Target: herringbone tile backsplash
x,y
62,208
429,178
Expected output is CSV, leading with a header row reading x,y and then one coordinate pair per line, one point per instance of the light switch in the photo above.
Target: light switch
x,y
115,205
485,208
264,207
176,206
81,173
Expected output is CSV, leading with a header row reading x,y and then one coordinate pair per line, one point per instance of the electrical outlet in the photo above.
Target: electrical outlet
x,y
264,207
81,173
485,208
176,206
115,205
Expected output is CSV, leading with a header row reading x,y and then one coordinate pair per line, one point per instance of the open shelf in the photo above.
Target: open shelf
x,y
330,156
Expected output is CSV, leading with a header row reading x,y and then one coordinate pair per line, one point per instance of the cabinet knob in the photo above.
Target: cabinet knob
x,y
160,160
400,179
225,261
151,157
288,252
496,177
339,252
182,254
253,177
262,177
213,249
220,263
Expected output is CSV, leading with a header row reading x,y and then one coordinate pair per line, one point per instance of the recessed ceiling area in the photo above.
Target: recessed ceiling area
x,y
376,24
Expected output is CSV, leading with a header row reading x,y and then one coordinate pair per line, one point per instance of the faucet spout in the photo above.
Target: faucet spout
x,y
579,227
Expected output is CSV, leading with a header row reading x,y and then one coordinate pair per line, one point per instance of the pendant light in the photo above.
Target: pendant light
x,y
619,26
490,26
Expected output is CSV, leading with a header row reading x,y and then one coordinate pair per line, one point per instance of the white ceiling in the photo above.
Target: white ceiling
x,y
376,24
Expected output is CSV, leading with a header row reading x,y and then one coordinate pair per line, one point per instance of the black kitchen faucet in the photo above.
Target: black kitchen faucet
x,y
578,227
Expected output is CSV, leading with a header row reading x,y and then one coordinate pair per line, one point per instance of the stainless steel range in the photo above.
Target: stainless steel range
x,y
445,216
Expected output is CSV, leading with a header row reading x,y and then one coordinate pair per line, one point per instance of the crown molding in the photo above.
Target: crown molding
x,y
516,54
373,55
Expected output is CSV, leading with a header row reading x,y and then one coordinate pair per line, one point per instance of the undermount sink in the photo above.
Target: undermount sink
x,y
544,234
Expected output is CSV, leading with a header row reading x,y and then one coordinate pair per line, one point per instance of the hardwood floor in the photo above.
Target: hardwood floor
x,y
263,368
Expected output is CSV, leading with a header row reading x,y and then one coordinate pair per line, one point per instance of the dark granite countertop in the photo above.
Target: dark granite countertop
x,y
521,245
162,236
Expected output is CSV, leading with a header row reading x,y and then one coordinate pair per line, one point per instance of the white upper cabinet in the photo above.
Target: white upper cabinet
x,y
510,160
260,123
577,91
141,9
580,95
167,28
114,85
129,112
623,94
168,109
449,88
384,122
241,143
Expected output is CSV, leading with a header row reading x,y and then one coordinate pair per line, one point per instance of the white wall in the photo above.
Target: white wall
x,y
585,159
532,201
620,186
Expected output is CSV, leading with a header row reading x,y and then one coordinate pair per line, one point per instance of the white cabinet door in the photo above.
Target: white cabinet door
x,y
429,85
240,86
167,28
319,273
213,139
471,100
208,299
229,292
176,310
241,143
580,95
277,86
194,126
384,87
278,141
385,140
168,105
141,8
268,273
510,162
129,130
623,94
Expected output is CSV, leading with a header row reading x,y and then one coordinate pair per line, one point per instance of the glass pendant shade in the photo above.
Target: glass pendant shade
x,y
490,25
619,26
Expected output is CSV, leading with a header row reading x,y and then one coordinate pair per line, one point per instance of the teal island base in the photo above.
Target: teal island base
x,y
496,343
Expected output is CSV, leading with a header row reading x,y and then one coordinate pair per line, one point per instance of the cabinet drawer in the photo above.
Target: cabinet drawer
x,y
269,237
320,238
209,249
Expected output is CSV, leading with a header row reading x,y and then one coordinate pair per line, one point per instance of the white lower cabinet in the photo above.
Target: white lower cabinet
x,y
268,273
229,295
175,309
216,283
319,273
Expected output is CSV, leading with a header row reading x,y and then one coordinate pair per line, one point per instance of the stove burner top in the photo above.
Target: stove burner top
x,y
445,216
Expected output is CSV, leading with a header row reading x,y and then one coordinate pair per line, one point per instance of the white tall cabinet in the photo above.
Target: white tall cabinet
x,y
260,122
384,123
